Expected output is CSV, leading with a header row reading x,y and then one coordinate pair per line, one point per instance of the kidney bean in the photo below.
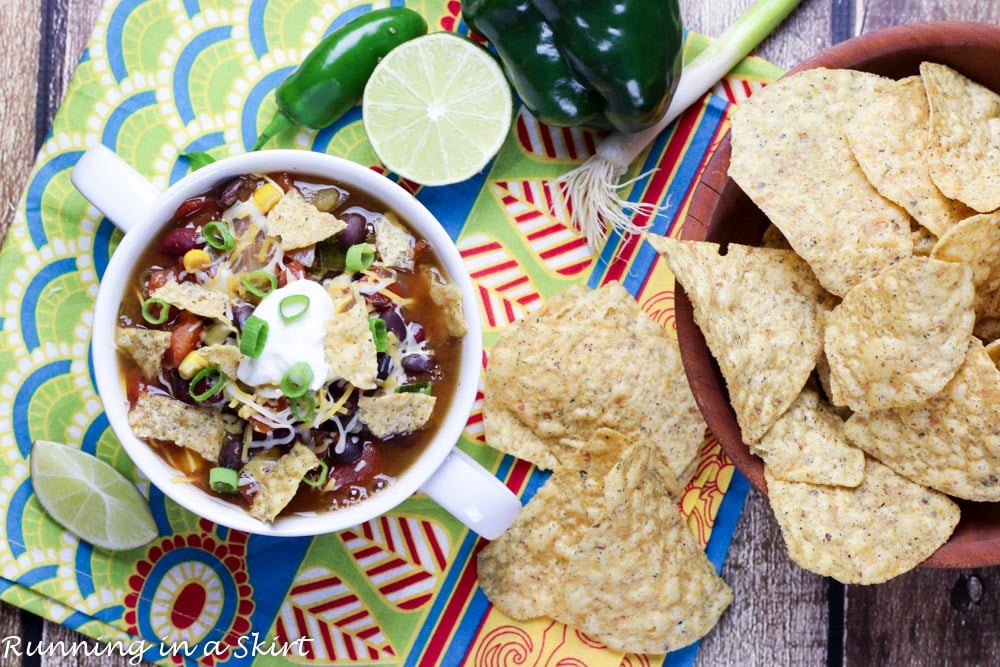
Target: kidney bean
x,y
284,179
417,329
231,454
355,232
394,323
419,363
230,192
193,205
179,240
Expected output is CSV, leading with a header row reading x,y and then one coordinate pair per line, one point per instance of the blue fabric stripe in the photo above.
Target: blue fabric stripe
x,y
185,62
33,295
22,400
15,512
251,107
126,108
36,188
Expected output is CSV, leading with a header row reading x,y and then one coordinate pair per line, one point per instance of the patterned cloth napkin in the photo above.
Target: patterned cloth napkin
x,y
164,77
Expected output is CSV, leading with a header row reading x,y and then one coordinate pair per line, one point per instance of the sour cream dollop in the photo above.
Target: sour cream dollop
x,y
289,343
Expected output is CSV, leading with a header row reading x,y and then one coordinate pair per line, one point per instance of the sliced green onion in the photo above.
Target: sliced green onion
x,y
296,380
223,480
215,387
379,333
359,257
303,408
218,235
254,336
324,470
293,306
414,388
260,282
162,314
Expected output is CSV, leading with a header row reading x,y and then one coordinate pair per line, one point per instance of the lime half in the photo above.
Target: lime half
x,y
89,497
437,109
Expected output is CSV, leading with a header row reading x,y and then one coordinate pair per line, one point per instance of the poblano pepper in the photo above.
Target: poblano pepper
x,y
593,63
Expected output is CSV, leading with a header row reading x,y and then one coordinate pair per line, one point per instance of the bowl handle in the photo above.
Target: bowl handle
x,y
113,186
473,495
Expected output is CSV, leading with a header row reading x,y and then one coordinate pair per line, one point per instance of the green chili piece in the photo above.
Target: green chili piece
x,y
320,480
147,310
295,382
223,480
379,333
414,388
254,336
218,235
293,306
260,282
359,257
209,372
332,77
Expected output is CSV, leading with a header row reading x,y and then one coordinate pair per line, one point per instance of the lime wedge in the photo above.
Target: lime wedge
x,y
437,109
89,497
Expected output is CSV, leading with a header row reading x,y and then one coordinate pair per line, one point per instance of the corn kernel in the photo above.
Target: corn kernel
x,y
266,196
191,364
195,260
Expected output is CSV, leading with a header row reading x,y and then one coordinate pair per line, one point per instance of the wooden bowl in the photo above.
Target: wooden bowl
x,y
721,213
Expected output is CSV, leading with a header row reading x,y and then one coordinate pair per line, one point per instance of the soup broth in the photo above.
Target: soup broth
x,y
355,370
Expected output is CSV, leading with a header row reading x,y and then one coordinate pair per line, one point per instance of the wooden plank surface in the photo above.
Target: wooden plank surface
x,y
781,615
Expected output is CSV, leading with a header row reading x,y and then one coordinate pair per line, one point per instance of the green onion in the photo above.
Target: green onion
x,y
260,282
296,379
321,479
293,306
593,187
162,314
223,480
359,257
218,235
303,408
219,380
379,333
414,388
254,336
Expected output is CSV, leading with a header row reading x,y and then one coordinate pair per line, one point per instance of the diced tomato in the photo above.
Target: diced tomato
x,y
294,270
184,337
284,179
135,384
158,278
359,472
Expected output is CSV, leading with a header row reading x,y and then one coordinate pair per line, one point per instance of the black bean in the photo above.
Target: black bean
x,y
419,363
355,232
179,240
231,454
351,452
394,323
230,191
241,313
385,365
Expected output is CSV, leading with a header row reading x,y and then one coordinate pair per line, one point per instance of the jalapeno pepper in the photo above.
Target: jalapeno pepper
x,y
332,77
580,62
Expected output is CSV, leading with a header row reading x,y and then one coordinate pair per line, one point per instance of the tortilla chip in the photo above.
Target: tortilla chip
x,y
976,241
898,339
651,589
226,357
950,443
965,137
164,418
395,414
865,535
993,350
193,298
923,240
145,346
890,141
586,360
299,224
449,298
807,444
278,481
350,346
761,311
773,238
791,158
393,244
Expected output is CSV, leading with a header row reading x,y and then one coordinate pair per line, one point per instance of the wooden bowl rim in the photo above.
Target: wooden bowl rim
x,y
972,544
